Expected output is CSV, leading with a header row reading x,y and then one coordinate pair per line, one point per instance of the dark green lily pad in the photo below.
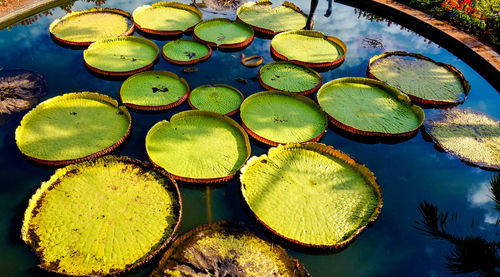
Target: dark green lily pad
x,y
289,77
222,99
226,249
186,51
224,33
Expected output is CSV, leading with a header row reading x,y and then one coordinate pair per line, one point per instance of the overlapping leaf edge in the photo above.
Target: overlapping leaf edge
x,y
201,113
155,108
123,73
225,46
395,93
127,15
217,85
185,62
324,150
416,99
282,93
330,39
305,92
176,5
61,172
249,5
77,95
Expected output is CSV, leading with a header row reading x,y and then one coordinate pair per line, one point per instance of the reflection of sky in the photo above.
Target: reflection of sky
x,y
408,172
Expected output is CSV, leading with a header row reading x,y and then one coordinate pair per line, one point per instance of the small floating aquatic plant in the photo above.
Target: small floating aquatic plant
x,y
166,18
224,33
222,99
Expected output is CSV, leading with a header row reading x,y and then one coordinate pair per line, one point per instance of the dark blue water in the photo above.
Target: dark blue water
x,y
409,172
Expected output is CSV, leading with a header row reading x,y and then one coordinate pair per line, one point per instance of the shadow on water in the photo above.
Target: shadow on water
x,y
471,254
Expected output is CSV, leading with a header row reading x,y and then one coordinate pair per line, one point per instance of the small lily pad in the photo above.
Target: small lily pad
x,y
266,19
121,56
470,135
424,80
311,194
198,146
224,33
73,127
166,18
87,26
222,99
369,107
186,51
289,77
309,48
102,217
154,90
275,117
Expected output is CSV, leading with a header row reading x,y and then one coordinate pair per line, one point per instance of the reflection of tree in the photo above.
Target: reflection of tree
x,y
471,253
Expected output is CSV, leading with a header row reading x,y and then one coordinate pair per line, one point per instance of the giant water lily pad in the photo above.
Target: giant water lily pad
x,y
222,99
154,90
275,117
19,90
73,127
423,79
102,216
290,77
309,48
224,33
226,249
87,26
186,51
166,18
198,146
264,18
311,194
472,136
369,107
121,56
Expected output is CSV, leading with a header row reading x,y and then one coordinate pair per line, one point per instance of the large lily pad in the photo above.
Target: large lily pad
x,y
226,249
222,99
423,79
224,33
19,90
121,56
73,127
102,216
472,136
186,51
264,18
166,18
369,107
154,90
289,77
311,194
309,48
275,117
87,26
198,146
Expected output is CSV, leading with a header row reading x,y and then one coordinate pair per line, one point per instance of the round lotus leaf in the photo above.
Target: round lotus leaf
x,y
224,33
369,107
87,26
19,90
470,135
311,194
73,127
289,77
154,90
226,249
102,216
222,99
186,51
121,56
264,18
309,48
198,146
275,117
422,79
166,18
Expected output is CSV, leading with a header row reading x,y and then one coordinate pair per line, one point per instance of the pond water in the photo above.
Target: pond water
x,y
409,172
